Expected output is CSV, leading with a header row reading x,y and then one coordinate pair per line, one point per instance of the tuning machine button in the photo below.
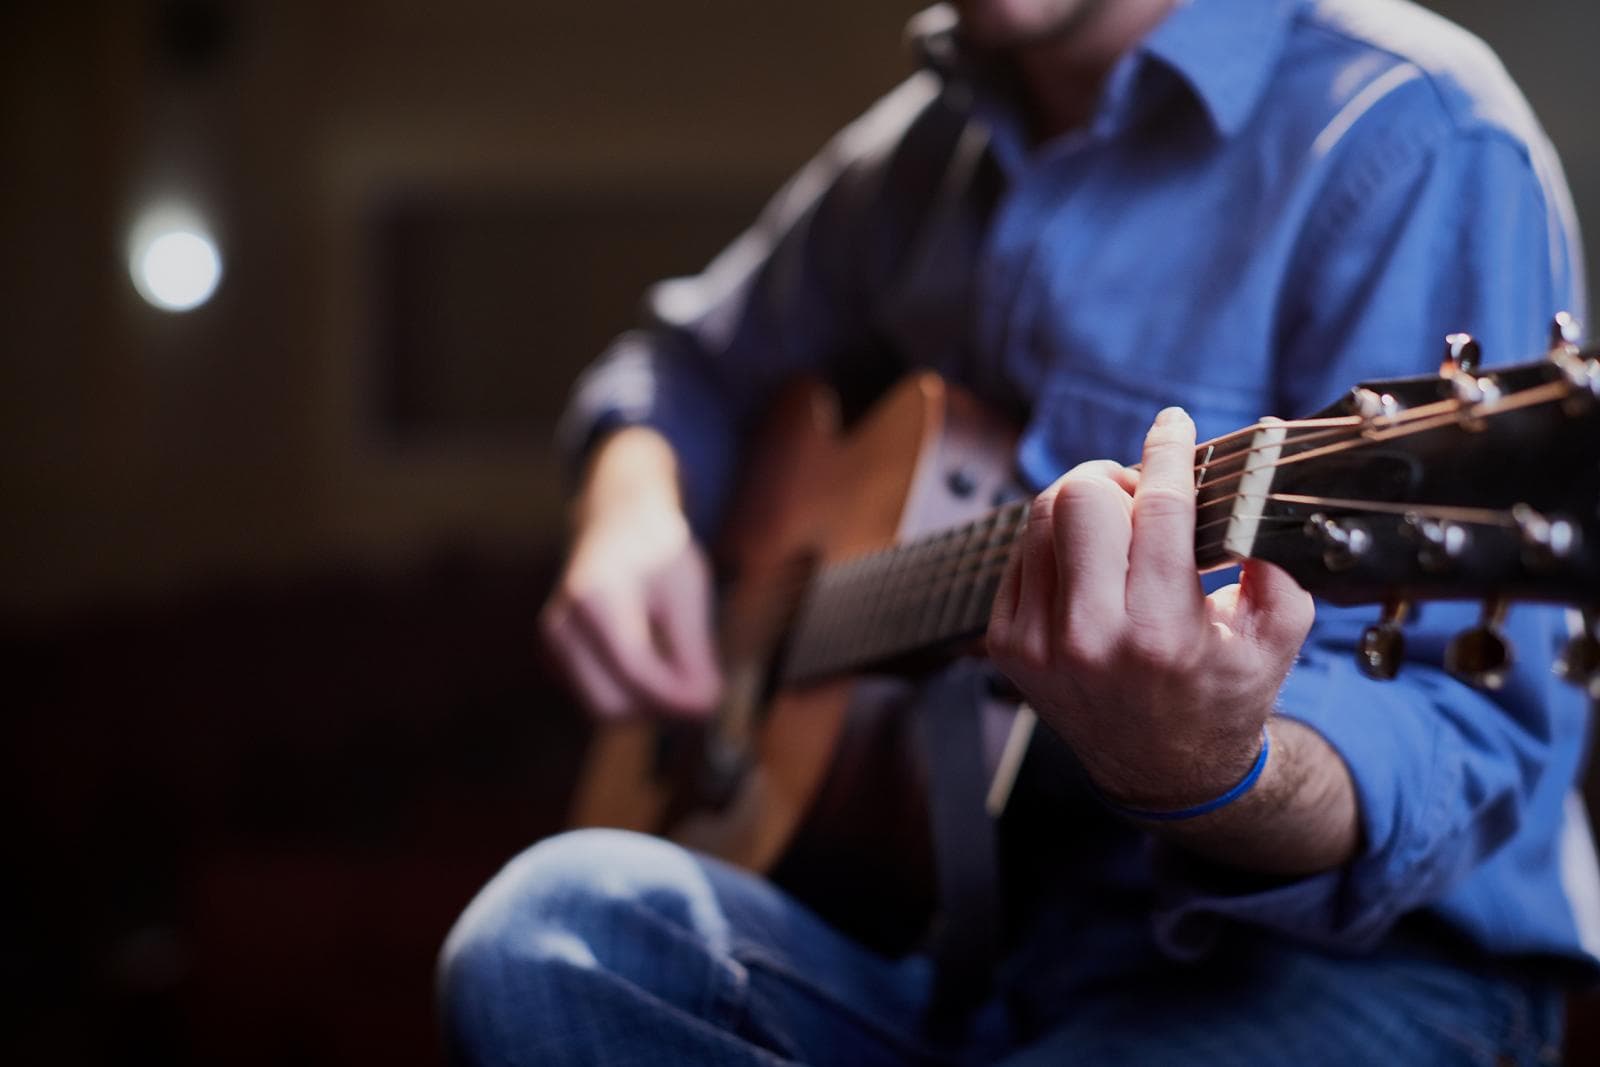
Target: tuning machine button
x,y
1371,404
1383,645
1583,374
1480,656
1462,354
1565,332
1579,662
1459,371
1343,542
1545,541
1440,542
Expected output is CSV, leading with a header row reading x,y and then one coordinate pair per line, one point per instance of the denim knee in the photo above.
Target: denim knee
x,y
579,900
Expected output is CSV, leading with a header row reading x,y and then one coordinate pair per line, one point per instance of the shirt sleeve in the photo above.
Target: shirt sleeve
x,y
1417,240
788,297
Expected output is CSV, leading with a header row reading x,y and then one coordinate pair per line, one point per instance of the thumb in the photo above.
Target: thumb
x,y
1272,607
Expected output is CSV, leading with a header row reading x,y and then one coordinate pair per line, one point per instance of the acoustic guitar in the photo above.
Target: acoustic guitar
x,y
855,557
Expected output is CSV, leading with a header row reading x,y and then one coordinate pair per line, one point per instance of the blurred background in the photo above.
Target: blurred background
x,y
269,567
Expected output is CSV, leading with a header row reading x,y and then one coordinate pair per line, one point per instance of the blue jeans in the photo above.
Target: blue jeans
x,y
604,947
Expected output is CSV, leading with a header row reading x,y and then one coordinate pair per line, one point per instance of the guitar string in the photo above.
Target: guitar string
x,y
1421,419
1364,436
894,644
973,561
1435,421
957,553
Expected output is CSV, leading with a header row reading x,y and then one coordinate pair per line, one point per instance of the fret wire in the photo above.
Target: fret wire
x,y
880,588
917,607
902,561
946,601
961,602
935,593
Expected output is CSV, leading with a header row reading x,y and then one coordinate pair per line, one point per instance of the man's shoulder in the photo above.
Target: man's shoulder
x,y
1416,60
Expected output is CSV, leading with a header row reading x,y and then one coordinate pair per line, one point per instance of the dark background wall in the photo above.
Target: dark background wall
x,y
268,569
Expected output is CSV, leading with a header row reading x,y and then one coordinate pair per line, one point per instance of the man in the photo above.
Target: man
x,y
1089,211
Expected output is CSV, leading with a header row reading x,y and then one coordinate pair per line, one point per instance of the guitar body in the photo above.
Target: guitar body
x,y
827,789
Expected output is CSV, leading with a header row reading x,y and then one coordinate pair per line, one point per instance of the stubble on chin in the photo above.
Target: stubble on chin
x,y
993,34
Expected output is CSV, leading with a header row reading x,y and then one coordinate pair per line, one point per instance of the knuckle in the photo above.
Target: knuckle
x,y
1041,513
1080,484
1152,645
1083,645
605,706
588,609
1032,650
1102,469
1164,440
1163,501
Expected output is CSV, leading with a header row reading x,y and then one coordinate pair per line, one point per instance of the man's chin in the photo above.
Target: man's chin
x,y
991,31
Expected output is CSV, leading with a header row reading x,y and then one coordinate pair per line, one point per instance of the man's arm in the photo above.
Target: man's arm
x,y
656,423
630,617
1299,818
1425,779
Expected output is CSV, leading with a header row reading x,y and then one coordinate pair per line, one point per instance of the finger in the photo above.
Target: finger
x,y
1162,581
683,614
1272,608
1092,532
594,684
1126,478
1032,626
619,629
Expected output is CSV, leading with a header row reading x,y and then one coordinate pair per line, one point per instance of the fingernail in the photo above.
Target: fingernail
x,y
1170,416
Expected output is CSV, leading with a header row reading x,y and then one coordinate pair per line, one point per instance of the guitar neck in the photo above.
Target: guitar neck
x,y
934,592
898,602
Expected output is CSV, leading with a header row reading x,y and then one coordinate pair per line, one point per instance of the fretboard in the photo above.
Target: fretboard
x,y
936,591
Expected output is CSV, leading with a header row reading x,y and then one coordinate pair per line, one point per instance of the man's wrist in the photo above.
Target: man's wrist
x,y
1300,816
1171,774
1204,807
630,468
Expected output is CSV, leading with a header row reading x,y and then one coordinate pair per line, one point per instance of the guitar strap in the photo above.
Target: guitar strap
x,y
966,936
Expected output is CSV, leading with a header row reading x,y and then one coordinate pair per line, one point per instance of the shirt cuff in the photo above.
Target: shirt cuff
x,y
1390,750
637,383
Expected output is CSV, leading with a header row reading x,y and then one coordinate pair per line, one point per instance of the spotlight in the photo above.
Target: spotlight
x,y
173,260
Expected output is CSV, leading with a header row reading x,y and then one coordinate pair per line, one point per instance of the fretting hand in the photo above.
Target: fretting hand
x,y
1161,691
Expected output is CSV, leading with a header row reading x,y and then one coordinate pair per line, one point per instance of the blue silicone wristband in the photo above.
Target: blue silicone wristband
x,y
1249,780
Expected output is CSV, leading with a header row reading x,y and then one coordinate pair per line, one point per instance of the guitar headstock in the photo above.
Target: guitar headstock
x,y
1470,485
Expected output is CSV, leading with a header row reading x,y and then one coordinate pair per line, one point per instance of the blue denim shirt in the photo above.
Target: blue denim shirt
x,y
1274,200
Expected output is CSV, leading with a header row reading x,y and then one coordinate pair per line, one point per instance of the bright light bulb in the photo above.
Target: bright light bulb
x,y
174,263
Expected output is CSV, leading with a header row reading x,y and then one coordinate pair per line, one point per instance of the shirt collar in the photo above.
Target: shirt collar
x,y
1223,52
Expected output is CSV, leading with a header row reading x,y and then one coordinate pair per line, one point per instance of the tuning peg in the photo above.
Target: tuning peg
x,y
1462,354
1582,374
1565,332
1579,663
1545,541
1343,543
1481,655
1382,644
1440,542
